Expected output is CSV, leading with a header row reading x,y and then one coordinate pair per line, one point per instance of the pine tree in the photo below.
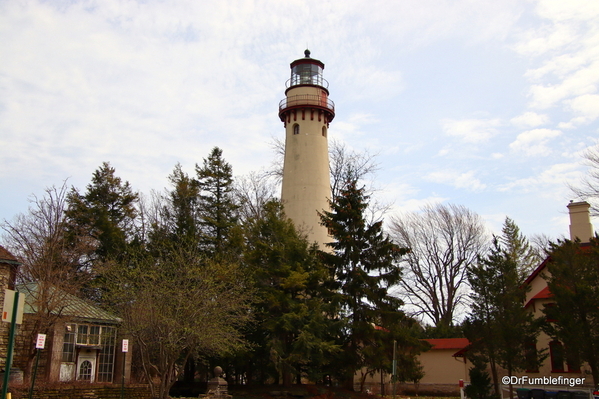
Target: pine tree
x,y
106,212
363,266
293,327
106,215
517,246
499,328
572,280
218,210
180,210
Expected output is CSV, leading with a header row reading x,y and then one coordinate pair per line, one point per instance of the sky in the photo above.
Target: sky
x,y
485,104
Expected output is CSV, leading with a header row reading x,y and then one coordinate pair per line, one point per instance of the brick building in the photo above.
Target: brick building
x,y
82,340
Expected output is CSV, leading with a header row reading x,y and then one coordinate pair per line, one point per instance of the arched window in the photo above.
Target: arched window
x,y
296,129
85,371
324,131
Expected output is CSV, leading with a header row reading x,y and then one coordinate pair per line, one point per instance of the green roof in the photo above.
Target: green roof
x,y
66,305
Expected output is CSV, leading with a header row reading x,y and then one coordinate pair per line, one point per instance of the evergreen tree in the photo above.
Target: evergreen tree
x,y
499,328
393,329
362,266
293,325
572,280
480,384
518,248
179,212
218,209
106,213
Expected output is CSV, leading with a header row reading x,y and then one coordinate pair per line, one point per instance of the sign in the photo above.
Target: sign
x,y
41,341
9,300
125,345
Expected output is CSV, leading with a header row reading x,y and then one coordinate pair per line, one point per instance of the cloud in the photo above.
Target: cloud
x,y
586,109
559,10
554,177
534,142
564,51
545,38
530,119
456,179
578,83
471,130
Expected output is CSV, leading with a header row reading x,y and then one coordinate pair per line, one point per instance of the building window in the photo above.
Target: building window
x,y
106,355
324,131
101,337
88,335
68,346
556,350
296,129
85,371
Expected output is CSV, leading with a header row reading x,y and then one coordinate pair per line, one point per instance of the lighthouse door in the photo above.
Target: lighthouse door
x,y
323,99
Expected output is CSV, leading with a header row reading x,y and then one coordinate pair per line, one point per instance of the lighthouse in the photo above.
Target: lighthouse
x,y
306,113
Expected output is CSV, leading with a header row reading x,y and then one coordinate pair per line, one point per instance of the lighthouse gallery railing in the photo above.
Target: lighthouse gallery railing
x,y
306,99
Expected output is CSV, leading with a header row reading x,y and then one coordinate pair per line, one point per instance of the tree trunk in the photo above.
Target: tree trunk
x,y
494,375
190,370
286,374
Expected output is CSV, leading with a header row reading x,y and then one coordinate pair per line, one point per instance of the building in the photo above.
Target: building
x,y
8,272
557,363
306,113
82,341
444,365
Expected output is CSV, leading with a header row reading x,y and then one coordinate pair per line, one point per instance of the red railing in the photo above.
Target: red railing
x,y
306,99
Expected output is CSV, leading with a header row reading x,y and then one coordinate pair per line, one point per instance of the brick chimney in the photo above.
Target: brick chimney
x,y
580,221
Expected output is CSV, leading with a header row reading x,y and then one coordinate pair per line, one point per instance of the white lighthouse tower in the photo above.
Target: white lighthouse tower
x,y
306,113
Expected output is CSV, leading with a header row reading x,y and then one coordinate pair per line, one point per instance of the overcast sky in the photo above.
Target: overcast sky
x,y
487,104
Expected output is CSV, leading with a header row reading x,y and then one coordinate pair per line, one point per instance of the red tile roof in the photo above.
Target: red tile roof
x,y
448,343
543,294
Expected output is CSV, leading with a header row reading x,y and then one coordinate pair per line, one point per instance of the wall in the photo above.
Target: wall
x,y
4,327
442,368
89,392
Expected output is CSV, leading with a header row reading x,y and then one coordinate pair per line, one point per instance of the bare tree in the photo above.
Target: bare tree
x,y
589,188
176,301
51,260
345,165
349,166
276,166
542,244
444,240
252,192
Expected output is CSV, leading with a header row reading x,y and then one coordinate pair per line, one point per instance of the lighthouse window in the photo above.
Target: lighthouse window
x,y
296,129
324,131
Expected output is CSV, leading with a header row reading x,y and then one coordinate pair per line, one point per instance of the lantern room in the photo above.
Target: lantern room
x,y
307,71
